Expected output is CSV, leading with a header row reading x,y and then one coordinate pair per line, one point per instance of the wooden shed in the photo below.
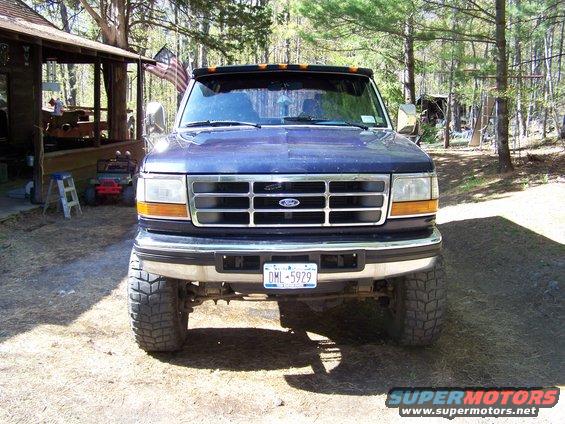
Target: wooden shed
x,y
27,43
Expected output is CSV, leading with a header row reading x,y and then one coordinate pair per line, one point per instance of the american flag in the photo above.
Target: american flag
x,y
170,68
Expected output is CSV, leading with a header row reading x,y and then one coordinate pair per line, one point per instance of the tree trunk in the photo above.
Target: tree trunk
x,y
446,135
409,79
455,113
520,115
287,37
547,79
265,57
119,85
118,130
205,28
550,90
114,28
449,105
533,85
560,54
71,99
504,159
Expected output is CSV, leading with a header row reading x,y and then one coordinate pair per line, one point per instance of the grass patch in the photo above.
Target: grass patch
x,y
471,182
544,178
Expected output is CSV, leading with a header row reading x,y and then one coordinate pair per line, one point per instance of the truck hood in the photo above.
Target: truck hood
x,y
286,150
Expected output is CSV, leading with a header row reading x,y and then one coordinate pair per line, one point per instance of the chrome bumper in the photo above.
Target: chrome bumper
x,y
160,254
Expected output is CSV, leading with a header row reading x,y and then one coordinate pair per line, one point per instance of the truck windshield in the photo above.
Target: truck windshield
x,y
273,98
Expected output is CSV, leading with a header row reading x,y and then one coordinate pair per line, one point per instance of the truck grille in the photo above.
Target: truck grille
x,y
288,200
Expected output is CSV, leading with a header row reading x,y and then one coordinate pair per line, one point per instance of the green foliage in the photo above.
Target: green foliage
x,y
367,33
235,25
429,134
471,182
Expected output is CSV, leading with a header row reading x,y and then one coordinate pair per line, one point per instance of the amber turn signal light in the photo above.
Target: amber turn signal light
x,y
165,210
418,207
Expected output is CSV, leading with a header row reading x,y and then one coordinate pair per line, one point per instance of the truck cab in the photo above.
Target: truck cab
x,y
286,182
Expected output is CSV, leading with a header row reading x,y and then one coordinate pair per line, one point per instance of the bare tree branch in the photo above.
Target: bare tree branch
x,y
101,22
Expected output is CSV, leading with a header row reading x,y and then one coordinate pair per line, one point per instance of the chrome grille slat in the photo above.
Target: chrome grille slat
x,y
221,194
263,214
352,193
222,210
322,194
287,211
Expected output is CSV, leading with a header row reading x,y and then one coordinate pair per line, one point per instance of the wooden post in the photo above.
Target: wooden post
x,y
37,64
97,103
139,112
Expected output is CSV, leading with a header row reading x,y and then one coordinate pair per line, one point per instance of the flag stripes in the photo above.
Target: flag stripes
x,y
168,67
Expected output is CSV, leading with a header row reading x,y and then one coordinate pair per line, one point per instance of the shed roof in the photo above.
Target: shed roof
x,y
16,17
19,10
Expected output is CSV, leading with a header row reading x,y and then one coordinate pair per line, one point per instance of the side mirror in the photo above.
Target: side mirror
x,y
154,118
407,119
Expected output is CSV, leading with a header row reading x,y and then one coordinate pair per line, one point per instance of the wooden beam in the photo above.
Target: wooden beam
x,y
139,112
73,48
97,103
10,36
20,37
38,125
113,58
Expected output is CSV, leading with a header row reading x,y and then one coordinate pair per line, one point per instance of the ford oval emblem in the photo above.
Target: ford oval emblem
x,y
289,203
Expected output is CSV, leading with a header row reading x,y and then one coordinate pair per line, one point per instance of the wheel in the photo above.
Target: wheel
x,y
90,196
417,308
154,303
128,196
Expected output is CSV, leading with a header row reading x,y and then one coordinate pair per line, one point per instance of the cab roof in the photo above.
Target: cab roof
x,y
234,69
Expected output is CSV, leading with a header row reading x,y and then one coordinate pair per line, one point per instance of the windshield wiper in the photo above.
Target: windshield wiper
x,y
209,123
308,118
300,118
343,123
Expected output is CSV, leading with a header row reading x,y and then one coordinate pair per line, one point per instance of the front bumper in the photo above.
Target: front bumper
x,y
200,258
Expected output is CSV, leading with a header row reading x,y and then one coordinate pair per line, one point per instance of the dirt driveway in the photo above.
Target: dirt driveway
x,y
66,353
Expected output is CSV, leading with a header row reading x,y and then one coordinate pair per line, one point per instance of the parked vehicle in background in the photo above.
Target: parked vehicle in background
x,y
286,182
114,181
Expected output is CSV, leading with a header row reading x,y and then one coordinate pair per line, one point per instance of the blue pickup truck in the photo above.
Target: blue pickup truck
x,y
285,182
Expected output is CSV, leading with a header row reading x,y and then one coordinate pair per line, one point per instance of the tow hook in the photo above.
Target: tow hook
x,y
365,285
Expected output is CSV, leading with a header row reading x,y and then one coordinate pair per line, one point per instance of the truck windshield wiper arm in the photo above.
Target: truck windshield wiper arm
x,y
219,123
308,118
341,123
300,118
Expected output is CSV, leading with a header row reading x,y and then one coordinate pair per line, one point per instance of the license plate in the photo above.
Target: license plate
x,y
290,276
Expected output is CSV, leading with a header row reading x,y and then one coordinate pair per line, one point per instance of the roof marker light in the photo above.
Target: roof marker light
x,y
353,69
211,69
283,66
262,66
303,66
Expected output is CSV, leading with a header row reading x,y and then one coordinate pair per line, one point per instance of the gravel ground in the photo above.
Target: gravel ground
x,y
66,353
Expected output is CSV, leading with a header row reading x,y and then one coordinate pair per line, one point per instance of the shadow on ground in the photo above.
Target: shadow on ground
x,y
504,326
62,291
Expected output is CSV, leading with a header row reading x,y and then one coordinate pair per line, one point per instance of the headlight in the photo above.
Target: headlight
x,y
414,194
162,196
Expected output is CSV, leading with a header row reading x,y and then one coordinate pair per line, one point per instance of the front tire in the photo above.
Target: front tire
x,y
418,305
128,196
90,196
155,307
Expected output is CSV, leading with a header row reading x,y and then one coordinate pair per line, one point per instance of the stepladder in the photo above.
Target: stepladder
x,y
67,197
